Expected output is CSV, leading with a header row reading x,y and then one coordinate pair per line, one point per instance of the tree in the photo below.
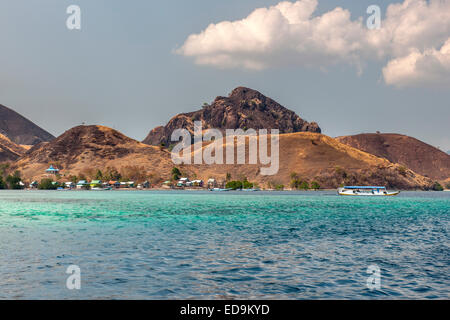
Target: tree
x,y
447,186
99,175
437,187
228,177
176,173
315,185
234,185
13,181
295,183
111,173
3,168
47,184
246,184
2,183
304,185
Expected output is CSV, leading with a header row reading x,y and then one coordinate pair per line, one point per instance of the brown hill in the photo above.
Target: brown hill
x,y
312,156
86,148
21,130
9,151
243,108
410,152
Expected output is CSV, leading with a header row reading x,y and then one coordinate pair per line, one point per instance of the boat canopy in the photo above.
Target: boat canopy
x,y
363,187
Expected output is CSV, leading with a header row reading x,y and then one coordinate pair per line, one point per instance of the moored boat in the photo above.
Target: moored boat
x,y
219,189
366,191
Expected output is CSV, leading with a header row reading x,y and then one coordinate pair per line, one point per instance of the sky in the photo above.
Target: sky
x,y
135,64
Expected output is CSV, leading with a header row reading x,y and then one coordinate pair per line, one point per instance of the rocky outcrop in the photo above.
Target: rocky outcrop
x,y
407,151
21,130
244,108
9,151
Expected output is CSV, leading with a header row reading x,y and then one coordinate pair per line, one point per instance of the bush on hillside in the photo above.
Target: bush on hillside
x,y
437,187
47,184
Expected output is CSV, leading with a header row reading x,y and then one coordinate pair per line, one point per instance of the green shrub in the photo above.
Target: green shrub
x,y
99,175
315,185
2,183
296,183
14,180
234,185
299,184
176,173
437,187
3,168
47,184
304,185
246,184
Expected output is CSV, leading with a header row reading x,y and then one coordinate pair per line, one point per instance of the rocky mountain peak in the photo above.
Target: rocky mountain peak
x,y
244,108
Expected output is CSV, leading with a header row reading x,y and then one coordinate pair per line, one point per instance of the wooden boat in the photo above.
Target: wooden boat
x,y
366,191
219,189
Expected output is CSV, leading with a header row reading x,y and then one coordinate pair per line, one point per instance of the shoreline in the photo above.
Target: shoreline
x,y
207,190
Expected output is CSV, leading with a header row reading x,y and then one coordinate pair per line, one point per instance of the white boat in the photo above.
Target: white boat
x,y
220,189
366,191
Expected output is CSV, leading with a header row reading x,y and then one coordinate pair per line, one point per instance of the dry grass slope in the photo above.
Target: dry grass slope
x,y
407,151
312,156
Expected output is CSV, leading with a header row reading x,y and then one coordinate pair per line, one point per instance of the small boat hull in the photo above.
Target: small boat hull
x,y
367,192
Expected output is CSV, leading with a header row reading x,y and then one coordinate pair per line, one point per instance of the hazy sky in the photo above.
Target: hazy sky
x,y
133,66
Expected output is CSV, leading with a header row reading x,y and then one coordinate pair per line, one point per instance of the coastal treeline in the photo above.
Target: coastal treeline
x,y
11,180
297,183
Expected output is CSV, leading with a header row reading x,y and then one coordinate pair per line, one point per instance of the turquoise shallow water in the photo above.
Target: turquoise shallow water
x,y
199,245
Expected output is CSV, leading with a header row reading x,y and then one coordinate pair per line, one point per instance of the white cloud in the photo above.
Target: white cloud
x,y
290,34
279,35
431,67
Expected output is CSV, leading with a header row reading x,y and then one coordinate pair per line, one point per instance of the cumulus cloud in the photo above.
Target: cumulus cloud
x,y
279,35
290,34
420,68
